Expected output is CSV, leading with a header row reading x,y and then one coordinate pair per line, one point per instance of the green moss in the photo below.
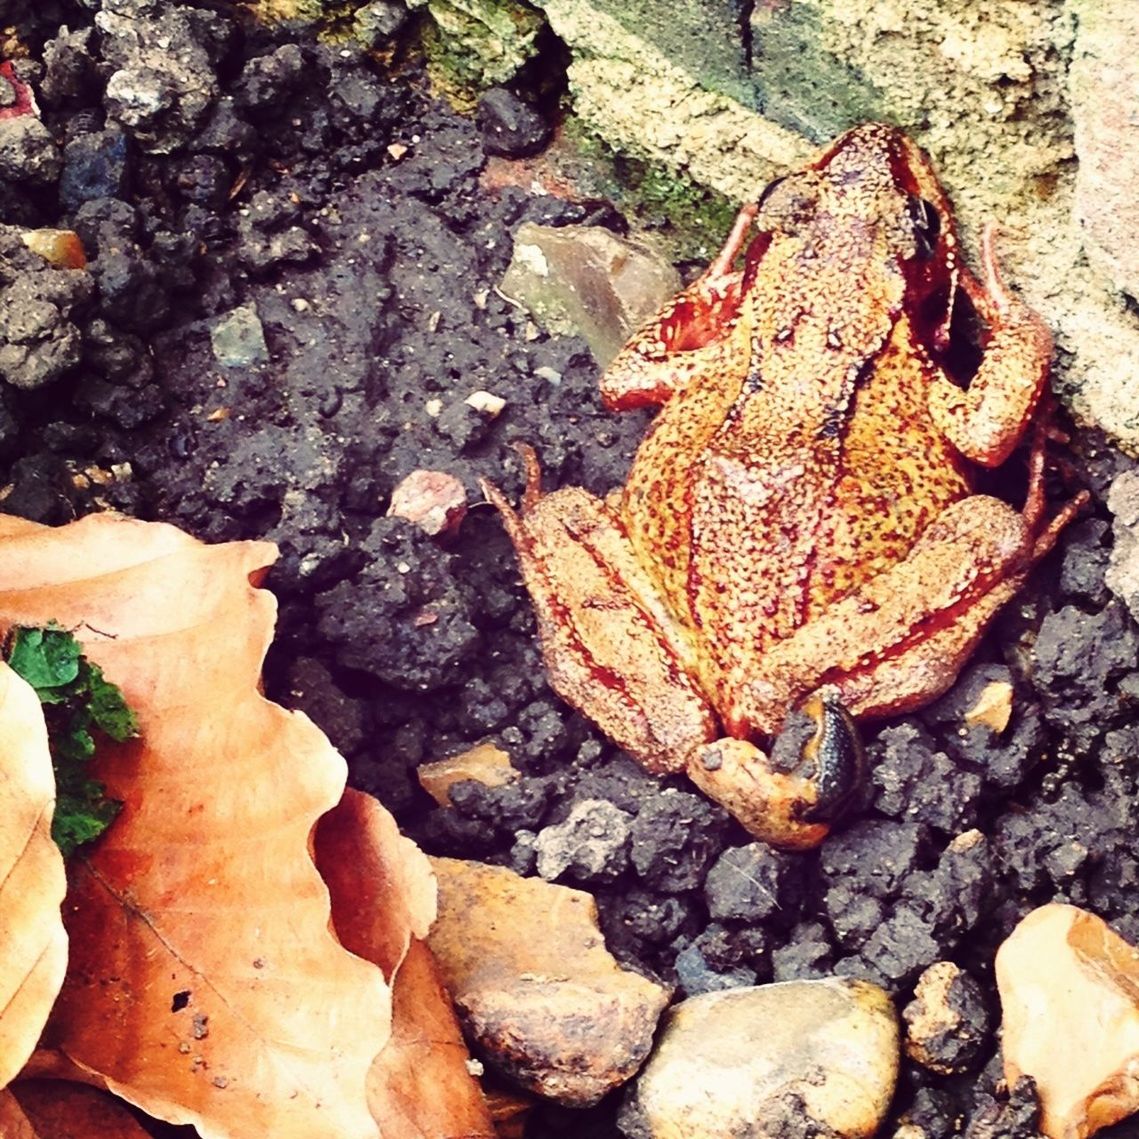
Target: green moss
x,y
475,44
334,21
688,221
80,707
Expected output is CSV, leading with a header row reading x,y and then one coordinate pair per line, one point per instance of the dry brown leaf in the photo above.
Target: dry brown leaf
x,y
420,1086
383,902
382,886
52,1109
14,1124
33,944
205,984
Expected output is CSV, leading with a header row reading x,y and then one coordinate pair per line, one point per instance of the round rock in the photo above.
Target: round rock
x,y
800,1057
509,126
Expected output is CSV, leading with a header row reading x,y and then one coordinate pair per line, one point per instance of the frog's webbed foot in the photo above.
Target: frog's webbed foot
x,y
790,806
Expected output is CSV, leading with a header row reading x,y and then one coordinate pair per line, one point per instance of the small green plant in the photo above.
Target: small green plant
x,y
78,703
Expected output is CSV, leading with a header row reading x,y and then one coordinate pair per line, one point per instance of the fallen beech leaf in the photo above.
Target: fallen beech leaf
x,y
205,985
509,1109
33,944
383,903
53,1109
382,886
420,1086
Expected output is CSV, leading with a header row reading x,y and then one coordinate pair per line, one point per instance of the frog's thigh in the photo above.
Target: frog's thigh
x,y
611,649
903,637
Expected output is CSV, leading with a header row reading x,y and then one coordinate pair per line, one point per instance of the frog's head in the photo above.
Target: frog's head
x,y
872,198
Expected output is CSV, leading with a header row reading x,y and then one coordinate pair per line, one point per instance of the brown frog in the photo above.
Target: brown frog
x,y
799,528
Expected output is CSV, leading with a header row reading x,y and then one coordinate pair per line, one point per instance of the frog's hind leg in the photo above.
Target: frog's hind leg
x,y
901,639
610,647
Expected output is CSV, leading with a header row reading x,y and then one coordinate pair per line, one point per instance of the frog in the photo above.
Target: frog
x,y
801,532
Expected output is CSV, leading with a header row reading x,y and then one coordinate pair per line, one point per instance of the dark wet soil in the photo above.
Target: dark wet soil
x,y
338,207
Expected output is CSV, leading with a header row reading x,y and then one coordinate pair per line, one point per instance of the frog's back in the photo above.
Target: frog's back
x,y
778,503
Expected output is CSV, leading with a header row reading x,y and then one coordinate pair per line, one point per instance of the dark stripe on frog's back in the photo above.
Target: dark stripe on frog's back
x,y
897,472
656,504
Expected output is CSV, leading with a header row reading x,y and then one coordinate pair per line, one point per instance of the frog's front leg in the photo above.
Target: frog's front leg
x,y
986,420
674,345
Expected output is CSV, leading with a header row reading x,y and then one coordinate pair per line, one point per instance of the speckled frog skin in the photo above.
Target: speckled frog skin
x,y
799,527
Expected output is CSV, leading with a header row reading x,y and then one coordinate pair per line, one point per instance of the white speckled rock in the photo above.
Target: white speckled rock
x,y
1123,573
748,1061
1069,988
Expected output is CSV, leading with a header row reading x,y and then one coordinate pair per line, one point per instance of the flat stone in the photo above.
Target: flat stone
x,y
484,763
540,997
799,1057
587,280
1069,989
1123,570
238,339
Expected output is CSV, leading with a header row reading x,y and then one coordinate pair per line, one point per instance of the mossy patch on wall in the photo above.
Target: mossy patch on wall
x,y
475,44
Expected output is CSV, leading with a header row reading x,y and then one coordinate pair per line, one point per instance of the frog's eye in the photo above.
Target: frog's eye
x,y
926,223
769,189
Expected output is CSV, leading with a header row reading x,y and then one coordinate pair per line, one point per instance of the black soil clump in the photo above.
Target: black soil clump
x,y
290,296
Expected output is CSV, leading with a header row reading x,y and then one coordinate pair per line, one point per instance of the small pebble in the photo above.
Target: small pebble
x,y
489,405
484,763
238,339
947,1023
591,846
434,500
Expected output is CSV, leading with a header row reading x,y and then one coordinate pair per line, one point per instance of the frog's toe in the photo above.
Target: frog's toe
x,y
772,805
832,758
789,800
